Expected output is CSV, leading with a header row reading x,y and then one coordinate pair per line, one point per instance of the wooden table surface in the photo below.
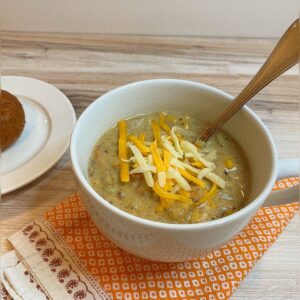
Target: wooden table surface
x,y
86,66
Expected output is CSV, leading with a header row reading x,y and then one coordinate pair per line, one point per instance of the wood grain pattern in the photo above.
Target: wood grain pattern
x,y
86,66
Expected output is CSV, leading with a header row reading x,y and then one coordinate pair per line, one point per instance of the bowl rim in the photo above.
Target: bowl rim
x,y
244,212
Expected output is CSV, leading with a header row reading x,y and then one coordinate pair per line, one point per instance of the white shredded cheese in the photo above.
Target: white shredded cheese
x,y
189,147
132,158
180,154
182,165
161,176
150,159
216,179
170,147
203,173
142,163
175,139
143,169
174,174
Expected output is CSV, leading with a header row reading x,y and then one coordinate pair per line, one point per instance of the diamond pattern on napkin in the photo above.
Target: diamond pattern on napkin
x,y
214,276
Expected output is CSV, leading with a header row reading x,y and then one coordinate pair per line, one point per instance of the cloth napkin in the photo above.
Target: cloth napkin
x,y
62,255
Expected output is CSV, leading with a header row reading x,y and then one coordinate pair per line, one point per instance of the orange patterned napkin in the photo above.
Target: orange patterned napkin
x,y
99,264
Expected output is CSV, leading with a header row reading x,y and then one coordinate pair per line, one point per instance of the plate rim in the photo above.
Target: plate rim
x,y
42,161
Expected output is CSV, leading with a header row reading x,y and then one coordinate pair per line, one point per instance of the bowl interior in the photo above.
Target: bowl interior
x,y
193,99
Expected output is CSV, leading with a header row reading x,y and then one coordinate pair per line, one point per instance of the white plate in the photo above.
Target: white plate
x,y
50,119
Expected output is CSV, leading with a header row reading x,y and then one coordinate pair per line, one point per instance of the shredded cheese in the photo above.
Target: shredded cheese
x,y
175,139
156,132
142,163
159,191
161,174
171,165
124,165
183,165
184,193
203,173
174,174
169,185
142,137
139,144
156,157
198,164
207,197
149,159
197,156
215,179
162,123
167,158
143,169
190,177
167,144
162,177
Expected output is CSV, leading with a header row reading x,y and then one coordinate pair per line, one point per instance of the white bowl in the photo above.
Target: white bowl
x,y
161,241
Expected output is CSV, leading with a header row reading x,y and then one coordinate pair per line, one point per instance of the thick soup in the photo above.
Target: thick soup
x,y
151,167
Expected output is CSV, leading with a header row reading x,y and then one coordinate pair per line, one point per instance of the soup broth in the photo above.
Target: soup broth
x,y
209,180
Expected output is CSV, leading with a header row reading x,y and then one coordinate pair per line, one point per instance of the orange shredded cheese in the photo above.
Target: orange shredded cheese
x,y
208,195
156,132
167,158
184,193
139,144
142,137
160,168
212,191
170,164
169,185
162,123
198,164
124,165
157,158
190,177
163,194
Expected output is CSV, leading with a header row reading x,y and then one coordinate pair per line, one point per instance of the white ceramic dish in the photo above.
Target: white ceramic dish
x,y
50,119
175,242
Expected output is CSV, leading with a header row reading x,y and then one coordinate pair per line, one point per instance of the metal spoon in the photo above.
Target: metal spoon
x,y
283,57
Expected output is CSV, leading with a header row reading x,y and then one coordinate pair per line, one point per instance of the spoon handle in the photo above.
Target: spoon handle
x,y
283,57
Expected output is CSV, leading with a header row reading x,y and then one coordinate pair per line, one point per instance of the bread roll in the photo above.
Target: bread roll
x,y
12,119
